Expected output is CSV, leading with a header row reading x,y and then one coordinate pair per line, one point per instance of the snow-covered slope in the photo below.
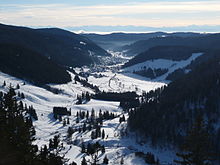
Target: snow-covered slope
x,y
122,82
162,64
117,146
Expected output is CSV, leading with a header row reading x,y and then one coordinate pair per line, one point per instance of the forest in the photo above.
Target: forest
x,y
167,114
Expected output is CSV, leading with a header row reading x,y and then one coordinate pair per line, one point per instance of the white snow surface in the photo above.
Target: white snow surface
x,y
82,43
163,64
123,82
116,145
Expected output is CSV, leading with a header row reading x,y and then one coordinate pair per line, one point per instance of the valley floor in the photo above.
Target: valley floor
x,y
117,145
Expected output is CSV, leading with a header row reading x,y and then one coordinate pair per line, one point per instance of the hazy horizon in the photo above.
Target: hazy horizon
x,y
105,16
130,29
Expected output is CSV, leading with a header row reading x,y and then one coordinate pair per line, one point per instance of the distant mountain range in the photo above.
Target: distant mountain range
x,y
204,41
121,41
144,29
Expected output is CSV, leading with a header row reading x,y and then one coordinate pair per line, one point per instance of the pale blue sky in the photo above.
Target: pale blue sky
x,y
89,2
78,14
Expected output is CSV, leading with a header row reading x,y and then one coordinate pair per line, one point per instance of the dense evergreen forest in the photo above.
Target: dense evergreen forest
x,y
30,65
61,46
168,113
151,73
207,54
114,96
205,41
175,53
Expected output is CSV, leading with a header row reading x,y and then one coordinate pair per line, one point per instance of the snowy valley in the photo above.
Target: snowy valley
x,y
116,145
89,105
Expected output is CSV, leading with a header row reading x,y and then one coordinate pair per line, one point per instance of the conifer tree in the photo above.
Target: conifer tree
x,y
60,118
73,163
22,95
197,149
92,115
93,135
100,113
4,84
87,115
105,160
83,148
103,134
70,132
68,121
19,94
87,96
17,134
84,161
122,160
77,79
84,127
64,122
103,149
98,132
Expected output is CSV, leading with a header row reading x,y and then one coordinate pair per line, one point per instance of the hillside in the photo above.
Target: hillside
x,y
117,41
208,41
163,69
62,47
114,41
167,114
175,53
29,65
76,130
117,145
164,63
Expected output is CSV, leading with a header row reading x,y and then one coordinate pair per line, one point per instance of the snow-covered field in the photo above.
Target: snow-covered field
x,y
117,146
163,64
118,82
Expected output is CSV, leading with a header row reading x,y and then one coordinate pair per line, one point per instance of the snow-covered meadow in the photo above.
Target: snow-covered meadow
x,y
122,82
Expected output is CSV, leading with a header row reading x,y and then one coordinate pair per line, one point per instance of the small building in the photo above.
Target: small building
x,y
60,111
